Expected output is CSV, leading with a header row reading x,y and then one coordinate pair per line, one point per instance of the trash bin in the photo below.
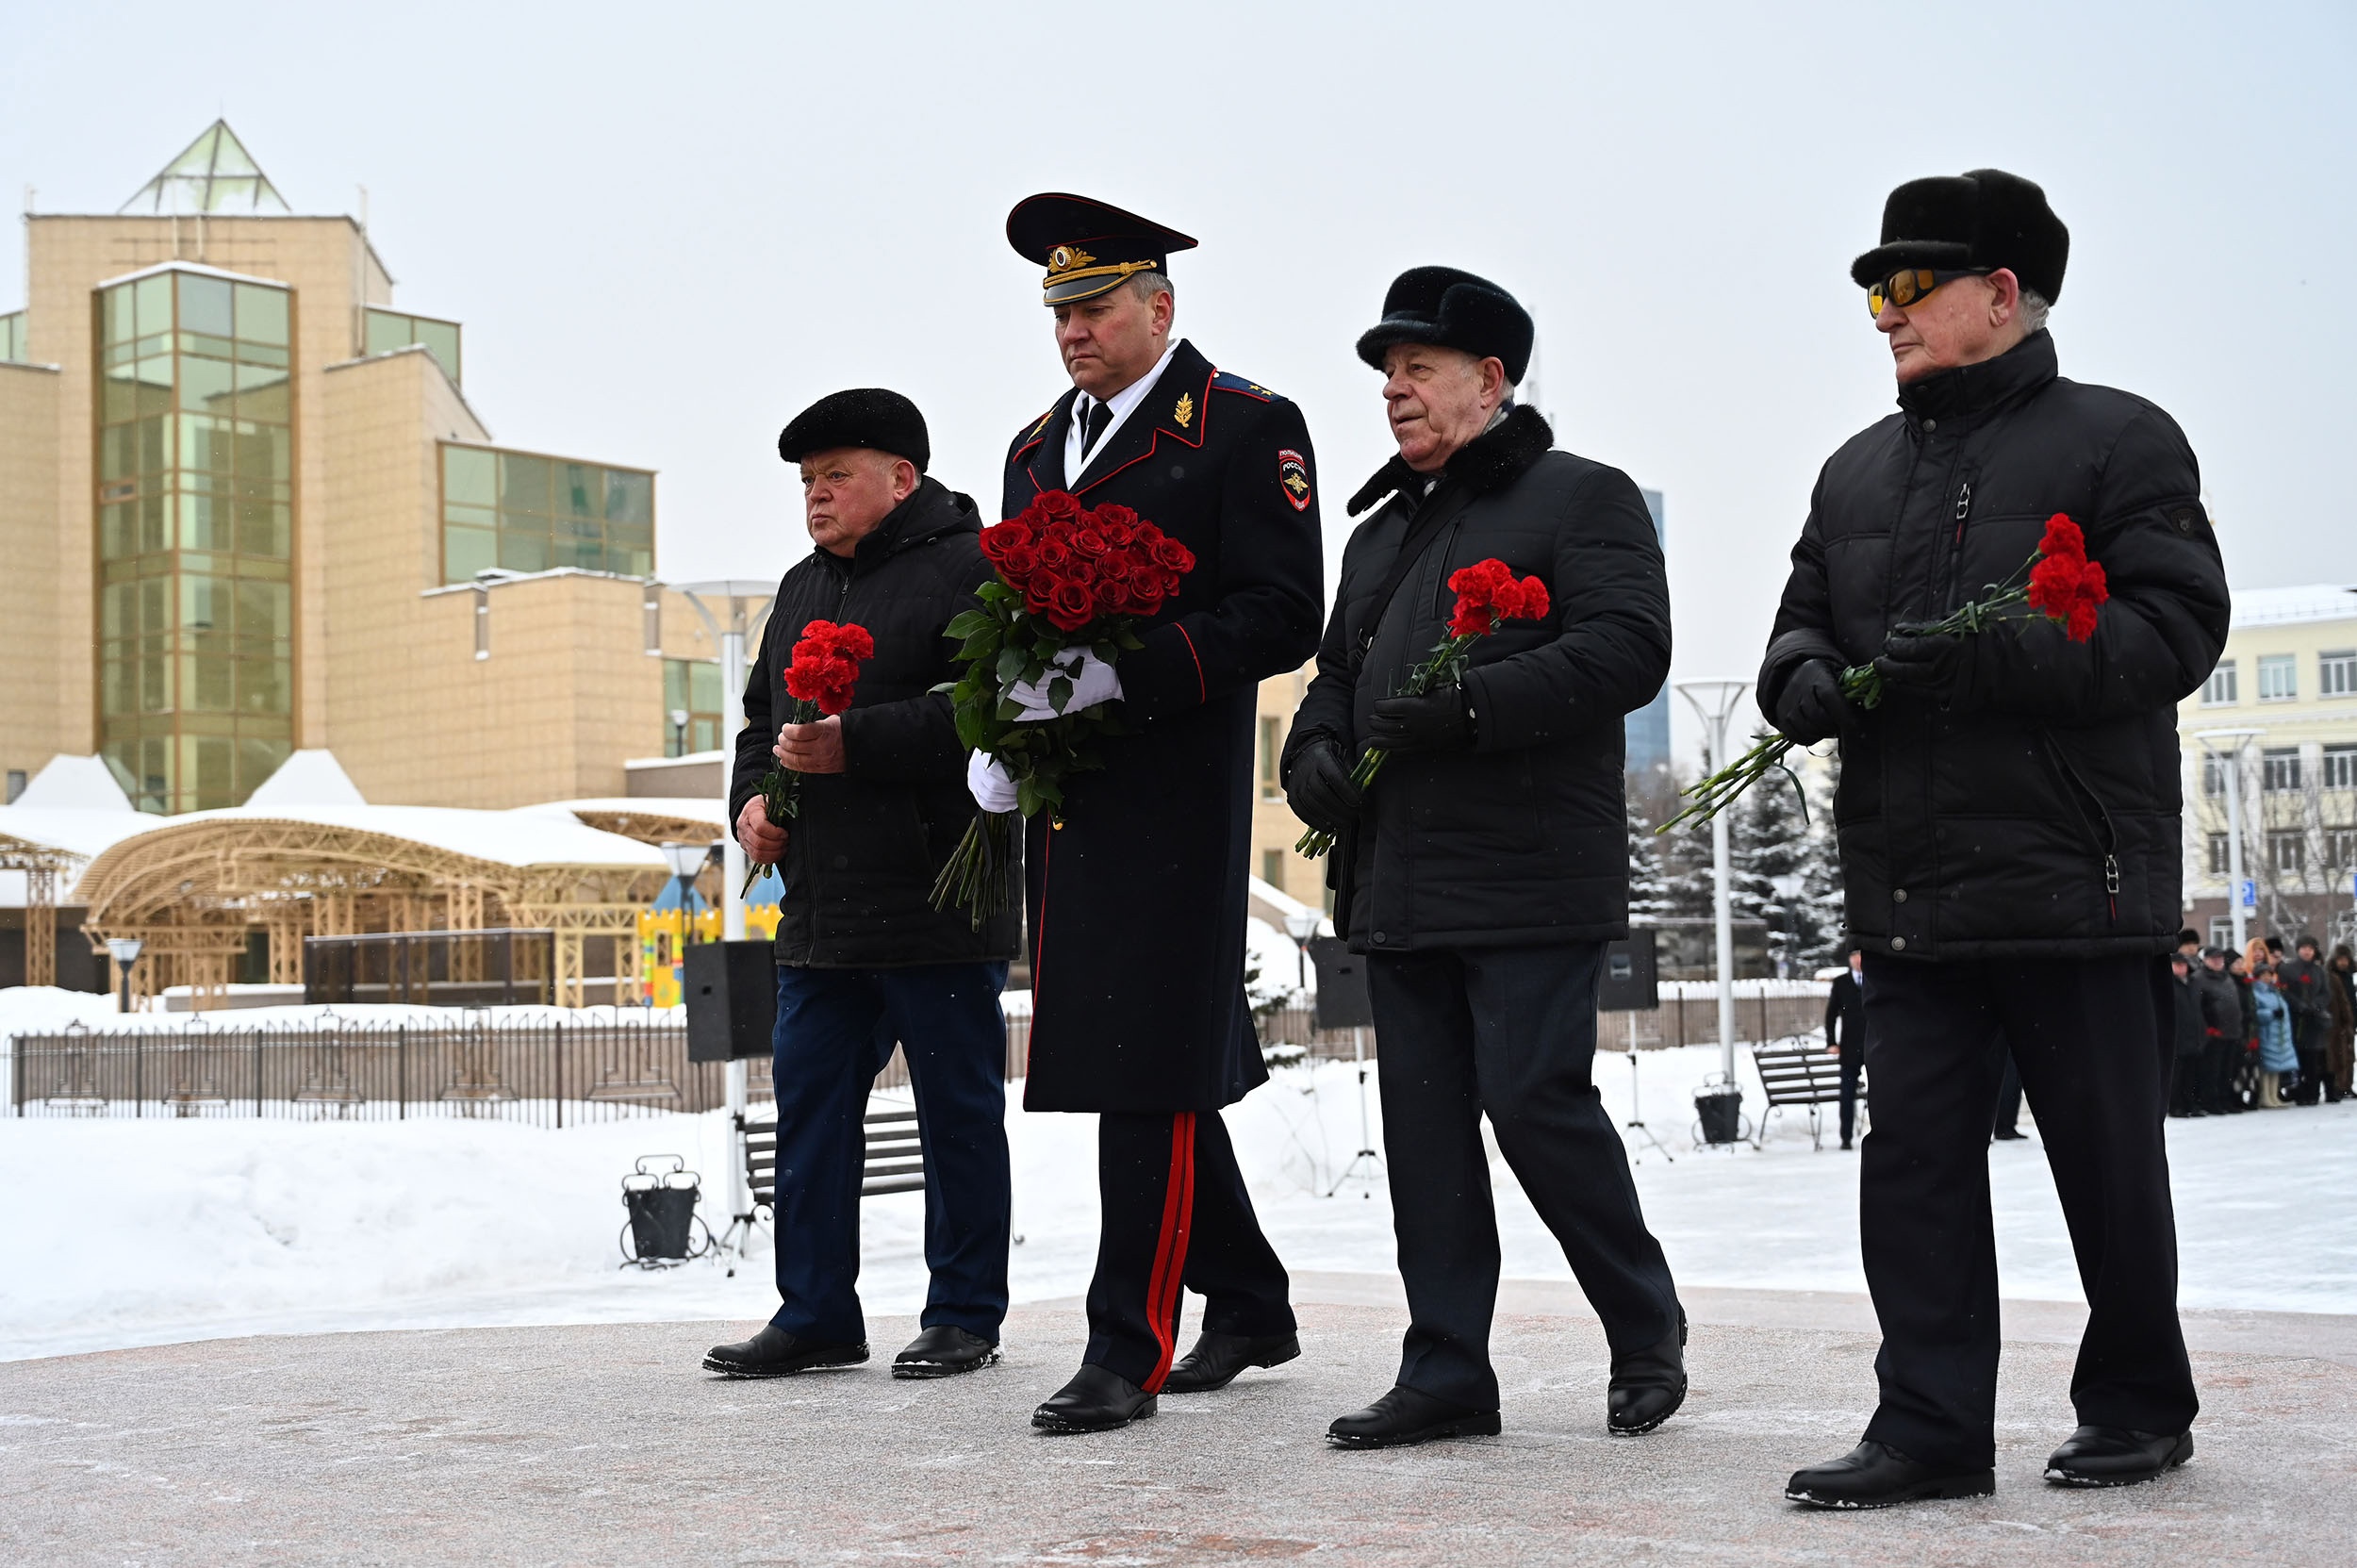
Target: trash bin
x,y
1720,1109
661,1208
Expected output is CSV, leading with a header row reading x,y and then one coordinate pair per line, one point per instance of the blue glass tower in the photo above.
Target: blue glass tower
x,y
1649,726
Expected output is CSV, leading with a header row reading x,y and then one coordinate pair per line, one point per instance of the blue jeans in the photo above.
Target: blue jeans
x,y
834,1032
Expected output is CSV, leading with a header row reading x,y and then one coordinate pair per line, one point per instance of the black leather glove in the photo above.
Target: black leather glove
x,y
1935,667
1810,707
1318,787
1439,721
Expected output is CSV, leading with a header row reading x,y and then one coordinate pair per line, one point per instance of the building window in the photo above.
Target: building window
x,y
2214,775
692,703
195,472
2279,677
2279,769
2340,768
1272,869
2336,674
386,330
12,337
2218,691
2221,857
2340,849
16,784
518,511
2288,849
1272,751
2221,930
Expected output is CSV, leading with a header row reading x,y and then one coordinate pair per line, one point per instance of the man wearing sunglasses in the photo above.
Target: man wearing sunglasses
x,y
2010,828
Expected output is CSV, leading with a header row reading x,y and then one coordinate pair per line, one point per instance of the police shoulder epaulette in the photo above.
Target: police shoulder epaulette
x,y
1031,434
1226,381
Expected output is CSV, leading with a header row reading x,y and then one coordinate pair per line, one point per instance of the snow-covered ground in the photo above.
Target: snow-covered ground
x,y
126,1232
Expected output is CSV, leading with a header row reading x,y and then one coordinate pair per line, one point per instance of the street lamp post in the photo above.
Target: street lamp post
x,y
1714,702
2230,765
124,950
686,860
1301,925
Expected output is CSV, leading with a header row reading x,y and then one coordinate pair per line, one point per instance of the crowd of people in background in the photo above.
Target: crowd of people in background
x,y
2259,1030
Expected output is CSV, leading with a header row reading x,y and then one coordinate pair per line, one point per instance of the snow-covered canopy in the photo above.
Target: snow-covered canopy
x,y
308,777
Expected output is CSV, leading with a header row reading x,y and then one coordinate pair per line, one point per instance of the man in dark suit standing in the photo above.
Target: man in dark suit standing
x,y
1137,895
1845,1033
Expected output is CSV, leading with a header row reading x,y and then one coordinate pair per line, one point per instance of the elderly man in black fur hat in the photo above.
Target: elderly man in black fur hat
x,y
1487,866
2010,826
863,957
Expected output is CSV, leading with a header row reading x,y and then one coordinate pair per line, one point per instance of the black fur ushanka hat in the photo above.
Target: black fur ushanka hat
x,y
1959,222
1455,310
869,416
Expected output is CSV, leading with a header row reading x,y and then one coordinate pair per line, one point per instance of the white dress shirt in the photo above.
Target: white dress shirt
x,y
1121,402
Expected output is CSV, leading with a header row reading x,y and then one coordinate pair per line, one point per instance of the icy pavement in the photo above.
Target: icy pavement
x,y
603,1443
123,1232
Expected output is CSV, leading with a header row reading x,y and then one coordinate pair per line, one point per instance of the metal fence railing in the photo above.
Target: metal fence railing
x,y
559,1072
552,1074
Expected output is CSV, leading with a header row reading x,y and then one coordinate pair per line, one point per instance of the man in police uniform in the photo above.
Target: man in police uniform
x,y
1137,899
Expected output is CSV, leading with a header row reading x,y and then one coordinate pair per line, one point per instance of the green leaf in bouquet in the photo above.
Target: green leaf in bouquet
x,y
1027,797
1128,639
1010,666
966,622
1059,691
981,645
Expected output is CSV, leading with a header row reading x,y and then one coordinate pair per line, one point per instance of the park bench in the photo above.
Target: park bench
x,y
896,1158
1804,1075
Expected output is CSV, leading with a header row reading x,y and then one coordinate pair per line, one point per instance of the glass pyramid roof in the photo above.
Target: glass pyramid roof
x,y
215,175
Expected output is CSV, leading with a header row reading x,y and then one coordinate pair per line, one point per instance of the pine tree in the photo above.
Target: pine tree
x,y
1648,880
1773,849
1821,884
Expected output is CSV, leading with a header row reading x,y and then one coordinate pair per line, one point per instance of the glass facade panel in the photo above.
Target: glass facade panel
x,y
383,331
522,512
12,335
691,704
195,525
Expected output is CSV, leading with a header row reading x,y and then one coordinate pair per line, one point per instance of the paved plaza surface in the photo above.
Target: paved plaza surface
x,y
604,1445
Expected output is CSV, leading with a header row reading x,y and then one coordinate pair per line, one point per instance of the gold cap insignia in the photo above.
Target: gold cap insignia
x,y
1064,257
1184,413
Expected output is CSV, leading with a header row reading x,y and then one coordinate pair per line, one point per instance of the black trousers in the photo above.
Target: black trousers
x,y
1509,1031
2007,1117
1175,1212
1853,1059
2221,1055
2308,1038
2091,1039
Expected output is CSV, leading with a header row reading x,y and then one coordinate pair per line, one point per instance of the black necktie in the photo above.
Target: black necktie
x,y
1099,415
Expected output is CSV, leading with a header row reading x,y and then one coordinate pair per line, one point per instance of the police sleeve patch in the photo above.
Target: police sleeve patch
x,y
1293,477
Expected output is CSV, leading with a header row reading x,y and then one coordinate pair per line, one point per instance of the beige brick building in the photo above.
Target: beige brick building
x,y
1275,827
247,508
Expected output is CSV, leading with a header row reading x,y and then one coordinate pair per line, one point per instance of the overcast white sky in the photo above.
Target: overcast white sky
x,y
668,229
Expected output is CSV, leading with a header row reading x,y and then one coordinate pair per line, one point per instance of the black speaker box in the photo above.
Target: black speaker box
x,y
732,992
1627,984
1341,984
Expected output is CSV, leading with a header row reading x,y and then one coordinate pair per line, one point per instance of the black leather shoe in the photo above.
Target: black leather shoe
x,y
1218,1358
2114,1456
775,1353
1404,1416
1094,1401
1875,1475
944,1351
1648,1386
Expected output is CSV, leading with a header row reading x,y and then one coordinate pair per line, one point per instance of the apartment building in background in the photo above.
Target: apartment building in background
x,y
2279,711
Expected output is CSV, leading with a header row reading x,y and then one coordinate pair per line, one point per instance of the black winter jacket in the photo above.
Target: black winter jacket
x,y
862,856
2222,1005
1523,838
2036,808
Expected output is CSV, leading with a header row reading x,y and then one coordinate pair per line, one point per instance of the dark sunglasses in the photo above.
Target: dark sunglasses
x,y
1910,284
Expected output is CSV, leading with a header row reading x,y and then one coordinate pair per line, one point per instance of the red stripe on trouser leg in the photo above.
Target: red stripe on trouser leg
x,y
1170,1252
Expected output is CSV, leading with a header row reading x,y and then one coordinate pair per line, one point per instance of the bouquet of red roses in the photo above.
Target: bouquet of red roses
x,y
2057,582
1070,579
1487,594
823,668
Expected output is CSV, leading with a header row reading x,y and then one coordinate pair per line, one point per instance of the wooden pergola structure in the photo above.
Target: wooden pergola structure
x,y
195,892
41,863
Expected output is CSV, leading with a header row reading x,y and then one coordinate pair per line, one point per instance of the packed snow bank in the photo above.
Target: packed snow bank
x,y
124,1232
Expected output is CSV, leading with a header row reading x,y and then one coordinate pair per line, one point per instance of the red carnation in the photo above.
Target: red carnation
x,y
2063,540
